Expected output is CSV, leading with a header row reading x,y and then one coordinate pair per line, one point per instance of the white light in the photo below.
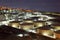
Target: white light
x,y
49,23
40,25
40,19
52,29
4,10
26,35
13,25
48,17
21,35
45,34
35,20
7,11
10,10
55,30
29,21
21,22
11,20
29,30
37,13
33,31
5,22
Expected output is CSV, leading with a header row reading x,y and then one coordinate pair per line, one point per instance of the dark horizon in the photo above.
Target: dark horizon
x,y
41,5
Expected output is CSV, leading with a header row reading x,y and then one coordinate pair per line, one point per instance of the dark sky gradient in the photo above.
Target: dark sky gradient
x,y
42,5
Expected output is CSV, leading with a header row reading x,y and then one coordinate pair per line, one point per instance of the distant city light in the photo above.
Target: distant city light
x,y
10,15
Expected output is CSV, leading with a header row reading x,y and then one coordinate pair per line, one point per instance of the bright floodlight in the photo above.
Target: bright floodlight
x,y
20,35
5,22
33,31
40,19
4,10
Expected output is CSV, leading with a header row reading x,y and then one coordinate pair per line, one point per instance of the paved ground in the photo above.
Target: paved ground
x,y
6,34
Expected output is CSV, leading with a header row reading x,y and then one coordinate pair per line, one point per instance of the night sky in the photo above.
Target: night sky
x,y
42,5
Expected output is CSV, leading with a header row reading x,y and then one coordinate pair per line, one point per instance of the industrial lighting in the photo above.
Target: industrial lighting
x,y
48,17
4,10
38,13
49,22
52,29
28,21
45,34
39,24
20,35
5,22
14,26
33,31
40,19
26,35
7,11
10,10
35,20
21,22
